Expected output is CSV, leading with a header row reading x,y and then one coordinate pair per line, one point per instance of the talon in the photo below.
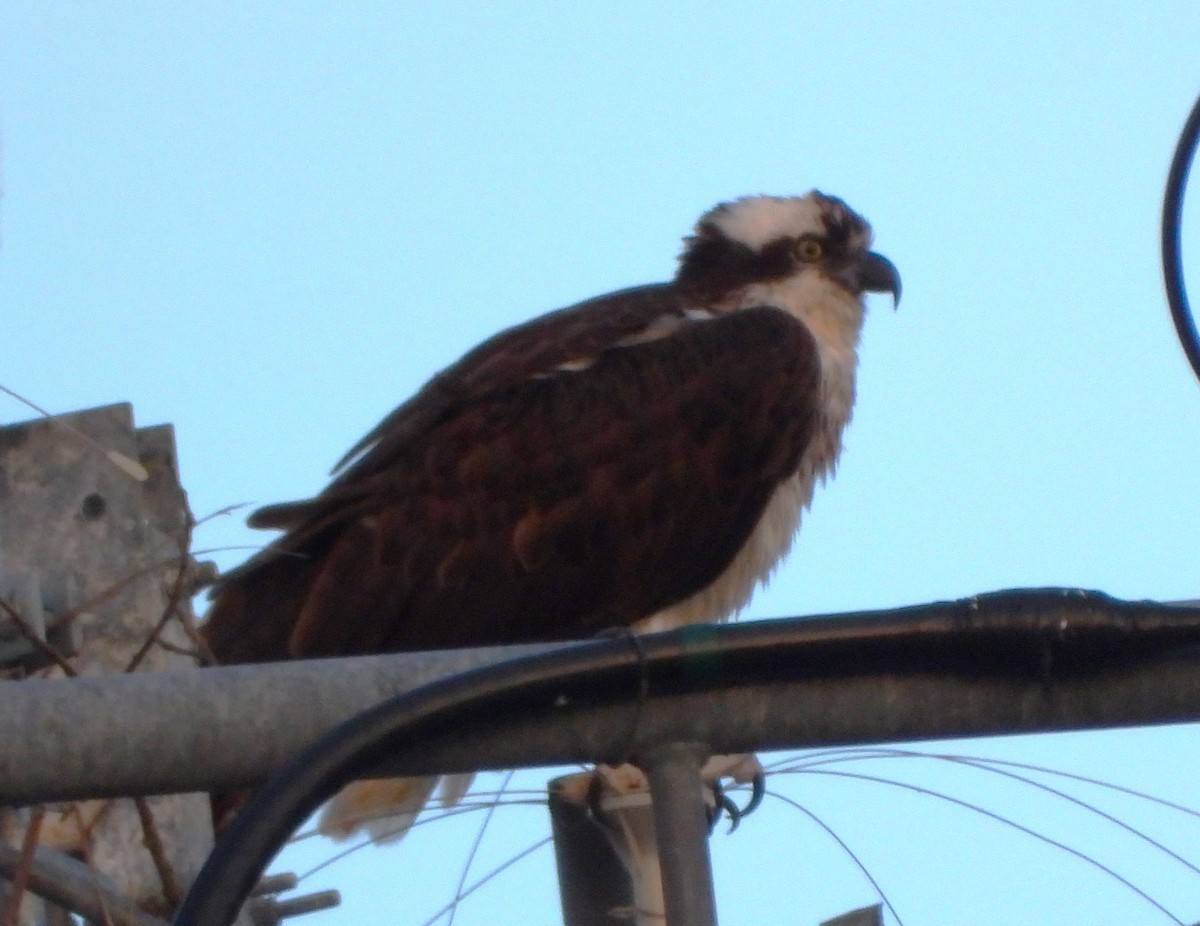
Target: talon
x,y
735,813
758,789
725,805
721,803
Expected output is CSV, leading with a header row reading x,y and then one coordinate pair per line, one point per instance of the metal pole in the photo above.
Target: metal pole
x,y
1013,662
865,916
681,822
592,881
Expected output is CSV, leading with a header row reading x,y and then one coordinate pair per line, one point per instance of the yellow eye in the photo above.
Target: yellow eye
x,y
809,249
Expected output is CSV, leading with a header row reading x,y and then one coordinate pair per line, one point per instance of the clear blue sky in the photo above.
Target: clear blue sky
x,y
267,224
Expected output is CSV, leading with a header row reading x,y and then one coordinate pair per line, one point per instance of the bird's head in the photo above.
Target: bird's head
x,y
814,239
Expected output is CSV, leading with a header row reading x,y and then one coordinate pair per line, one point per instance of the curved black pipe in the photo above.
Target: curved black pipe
x,y
262,827
1172,257
1017,634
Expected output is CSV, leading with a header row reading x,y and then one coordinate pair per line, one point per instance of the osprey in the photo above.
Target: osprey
x,y
637,460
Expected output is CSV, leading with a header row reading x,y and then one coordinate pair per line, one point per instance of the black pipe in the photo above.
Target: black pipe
x,y
1075,648
1172,245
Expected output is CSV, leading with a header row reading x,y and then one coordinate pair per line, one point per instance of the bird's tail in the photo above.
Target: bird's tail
x,y
386,808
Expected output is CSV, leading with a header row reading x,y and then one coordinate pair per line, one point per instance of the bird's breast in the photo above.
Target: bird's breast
x,y
772,536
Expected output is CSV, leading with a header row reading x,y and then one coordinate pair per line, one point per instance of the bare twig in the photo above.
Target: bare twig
x,y
222,512
107,594
20,877
172,892
128,466
88,827
203,654
104,907
181,650
171,610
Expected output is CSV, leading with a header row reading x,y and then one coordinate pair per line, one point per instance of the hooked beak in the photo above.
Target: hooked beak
x,y
874,273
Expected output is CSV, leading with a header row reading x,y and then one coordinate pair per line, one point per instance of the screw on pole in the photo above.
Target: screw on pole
x,y
264,908
681,823
275,884
269,910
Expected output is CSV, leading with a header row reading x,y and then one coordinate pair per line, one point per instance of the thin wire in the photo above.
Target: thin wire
x,y
845,848
517,797
488,877
985,765
466,870
371,843
783,765
1079,854
1172,245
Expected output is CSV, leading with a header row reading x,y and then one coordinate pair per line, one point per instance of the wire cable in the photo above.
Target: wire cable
x,y
1172,244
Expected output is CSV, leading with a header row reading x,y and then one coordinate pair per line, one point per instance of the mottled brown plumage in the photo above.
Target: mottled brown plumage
x,y
511,502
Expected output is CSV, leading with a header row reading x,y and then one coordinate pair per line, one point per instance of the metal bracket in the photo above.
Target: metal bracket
x,y
866,916
40,604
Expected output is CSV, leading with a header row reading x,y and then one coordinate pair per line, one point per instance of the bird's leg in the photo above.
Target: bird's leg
x,y
617,798
608,780
758,787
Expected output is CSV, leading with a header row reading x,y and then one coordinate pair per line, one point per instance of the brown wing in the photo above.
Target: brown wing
x,y
530,349
537,505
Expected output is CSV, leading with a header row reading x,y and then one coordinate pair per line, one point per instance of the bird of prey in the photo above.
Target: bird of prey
x,y
640,460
